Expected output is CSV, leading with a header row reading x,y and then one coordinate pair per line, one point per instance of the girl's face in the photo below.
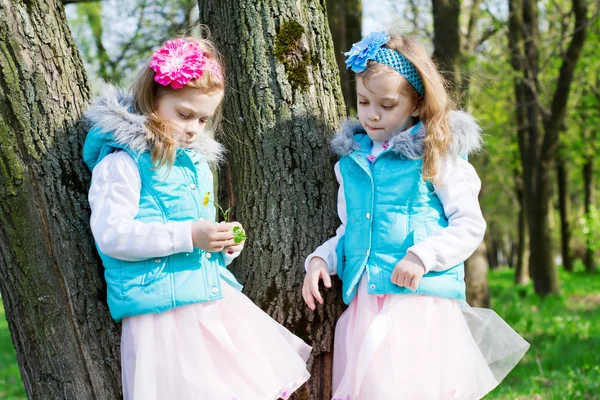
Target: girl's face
x,y
188,109
382,108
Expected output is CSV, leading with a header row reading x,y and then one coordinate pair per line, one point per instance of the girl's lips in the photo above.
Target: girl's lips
x,y
373,129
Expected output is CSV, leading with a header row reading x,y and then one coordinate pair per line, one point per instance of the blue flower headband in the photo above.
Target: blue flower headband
x,y
371,48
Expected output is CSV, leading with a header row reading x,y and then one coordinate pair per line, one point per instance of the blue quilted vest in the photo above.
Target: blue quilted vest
x,y
390,208
176,194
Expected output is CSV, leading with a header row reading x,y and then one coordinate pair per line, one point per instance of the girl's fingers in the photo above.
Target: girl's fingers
x,y
403,280
326,279
308,298
415,283
226,227
223,235
394,277
314,286
222,243
234,249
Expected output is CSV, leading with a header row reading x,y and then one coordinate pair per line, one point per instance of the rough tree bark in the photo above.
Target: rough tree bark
x,y
50,279
283,103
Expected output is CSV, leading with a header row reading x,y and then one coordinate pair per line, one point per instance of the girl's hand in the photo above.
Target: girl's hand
x,y
210,236
236,248
317,269
408,272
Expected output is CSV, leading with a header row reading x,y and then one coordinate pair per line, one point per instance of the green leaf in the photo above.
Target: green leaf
x,y
239,235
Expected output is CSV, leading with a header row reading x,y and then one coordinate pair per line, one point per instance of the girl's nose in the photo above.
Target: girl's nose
x,y
374,117
192,129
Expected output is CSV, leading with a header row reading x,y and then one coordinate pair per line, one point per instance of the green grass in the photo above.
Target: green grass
x,y
564,331
11,387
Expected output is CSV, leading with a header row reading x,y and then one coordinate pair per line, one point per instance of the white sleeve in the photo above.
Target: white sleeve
x,y
228,258
327,251
114,198
458,187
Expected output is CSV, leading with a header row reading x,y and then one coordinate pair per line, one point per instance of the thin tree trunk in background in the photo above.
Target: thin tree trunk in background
x,y
283,104
345,24
564,207
590,260
476,278
539,138
447,40
522,261
50,277
492,246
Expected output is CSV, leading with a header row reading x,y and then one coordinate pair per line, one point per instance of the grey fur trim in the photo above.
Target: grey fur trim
x,y
466,138
408,145
212,150
343,142
466,134
111,111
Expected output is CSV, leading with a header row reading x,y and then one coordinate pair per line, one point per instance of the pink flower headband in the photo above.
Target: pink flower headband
x,y
180,61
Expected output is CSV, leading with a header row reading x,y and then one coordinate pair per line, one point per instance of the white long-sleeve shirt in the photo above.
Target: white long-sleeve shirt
x,y
114,198
457,188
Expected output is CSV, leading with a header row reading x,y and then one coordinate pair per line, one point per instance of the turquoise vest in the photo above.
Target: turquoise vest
x,y
176,194
390,208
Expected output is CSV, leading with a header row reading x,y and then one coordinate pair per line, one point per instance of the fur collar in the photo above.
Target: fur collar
x,y
111,112
466,138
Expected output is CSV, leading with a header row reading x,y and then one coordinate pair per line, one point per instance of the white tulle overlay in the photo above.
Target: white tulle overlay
x,y
227,349
416,347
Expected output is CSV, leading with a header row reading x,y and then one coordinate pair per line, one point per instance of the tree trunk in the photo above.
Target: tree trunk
x,y
588,184
563,204
538,147
492,246
476,274
345,24
50,278
283,104
446,39
522,262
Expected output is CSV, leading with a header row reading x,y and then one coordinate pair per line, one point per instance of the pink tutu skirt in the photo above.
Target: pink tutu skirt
x,y
415,347
227,349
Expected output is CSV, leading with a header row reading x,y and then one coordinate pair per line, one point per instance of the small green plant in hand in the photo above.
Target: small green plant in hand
x,y
239,235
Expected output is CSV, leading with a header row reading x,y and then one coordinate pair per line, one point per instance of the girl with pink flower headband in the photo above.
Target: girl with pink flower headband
x,y
187,330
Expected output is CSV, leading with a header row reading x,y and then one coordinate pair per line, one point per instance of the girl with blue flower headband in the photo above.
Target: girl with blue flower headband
x,y
410,218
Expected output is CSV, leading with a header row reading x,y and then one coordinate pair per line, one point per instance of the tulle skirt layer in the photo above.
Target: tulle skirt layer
x,y
227,349
417,347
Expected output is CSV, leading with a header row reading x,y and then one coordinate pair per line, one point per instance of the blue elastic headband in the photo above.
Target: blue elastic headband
x,y
371,48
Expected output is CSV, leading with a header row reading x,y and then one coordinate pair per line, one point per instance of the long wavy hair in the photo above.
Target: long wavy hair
x,y
434,106
146,93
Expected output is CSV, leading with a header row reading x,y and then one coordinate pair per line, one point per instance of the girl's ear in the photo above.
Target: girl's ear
x,y
417,109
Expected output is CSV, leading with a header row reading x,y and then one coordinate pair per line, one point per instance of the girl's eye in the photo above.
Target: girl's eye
x,y
363,102
203,120
387,107
184,116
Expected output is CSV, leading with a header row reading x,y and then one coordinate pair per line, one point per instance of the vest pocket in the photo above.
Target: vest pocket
x,y
425,230
154,269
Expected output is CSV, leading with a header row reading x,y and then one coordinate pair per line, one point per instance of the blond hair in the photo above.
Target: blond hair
x,y
434,106
146,93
